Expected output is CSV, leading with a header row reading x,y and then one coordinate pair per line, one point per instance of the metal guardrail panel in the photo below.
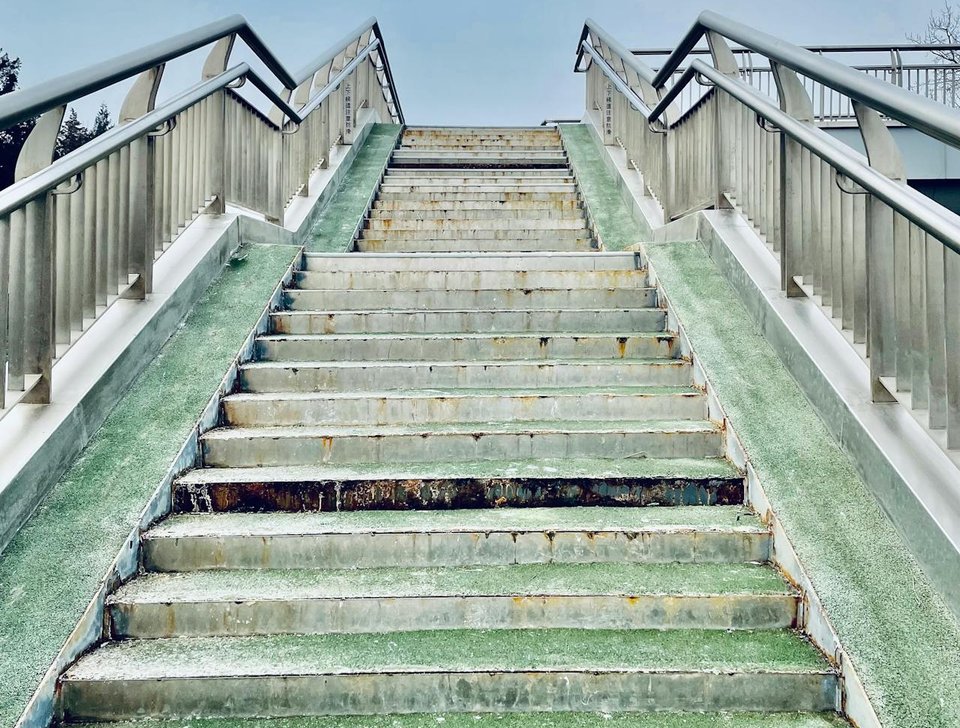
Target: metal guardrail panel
x,y
883,259
78,233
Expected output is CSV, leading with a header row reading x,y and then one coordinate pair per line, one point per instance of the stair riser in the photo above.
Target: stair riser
x,y
428,550
484,349
492,322
465,281
291,695
524,197
466,299
538,236
441,172
567,263
452,409
437,447
132,620
478,177
400,245
433,494
491,211
474,228
453,191
427,376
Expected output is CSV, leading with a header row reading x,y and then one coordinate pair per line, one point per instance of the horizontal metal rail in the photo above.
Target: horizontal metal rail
x,y
882,259
917,112
31,102
79,233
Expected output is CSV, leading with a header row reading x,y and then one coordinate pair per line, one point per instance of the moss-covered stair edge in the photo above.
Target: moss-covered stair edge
x,y
335,226
55,565
900,637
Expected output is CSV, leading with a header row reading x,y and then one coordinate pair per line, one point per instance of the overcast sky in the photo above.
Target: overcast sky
x,y
454,62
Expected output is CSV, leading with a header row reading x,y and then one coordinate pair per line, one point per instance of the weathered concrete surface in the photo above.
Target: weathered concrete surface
x,y
893,625
53,566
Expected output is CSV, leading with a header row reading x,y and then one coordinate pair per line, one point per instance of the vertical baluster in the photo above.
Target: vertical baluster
x,y
113,223
103,225
60,204
77,260
824,235
936,332
919,351
881,288
91,183
952,345
903,360
860,305
16,301
123,217
40,300
4,305
836,243
847,245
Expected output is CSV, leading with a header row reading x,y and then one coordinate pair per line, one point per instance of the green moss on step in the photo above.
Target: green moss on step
x,y
53,566
616,225
338,221
508,720
900,636
456,649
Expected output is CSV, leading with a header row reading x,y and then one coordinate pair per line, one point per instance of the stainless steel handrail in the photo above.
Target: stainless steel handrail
x,y
883,259
864,48
925,115
30,102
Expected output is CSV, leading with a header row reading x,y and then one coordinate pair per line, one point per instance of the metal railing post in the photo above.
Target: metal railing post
x,y
725,62
795,101
215,138
883,156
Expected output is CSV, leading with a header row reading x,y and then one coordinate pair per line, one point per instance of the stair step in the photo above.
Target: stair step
x,y
463,299
529,596
257,446
468,484
445,347
475,537
353,376
483,173
571,262
540,321
661,719
471,281
472,670
406,197
400,244
421,176
493,210
463,405
490,187
439,204
502,227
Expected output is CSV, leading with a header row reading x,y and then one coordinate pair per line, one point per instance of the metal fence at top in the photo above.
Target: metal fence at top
x,y
914,67
80,233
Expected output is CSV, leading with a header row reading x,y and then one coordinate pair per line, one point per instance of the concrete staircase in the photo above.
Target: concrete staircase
x,y
393,516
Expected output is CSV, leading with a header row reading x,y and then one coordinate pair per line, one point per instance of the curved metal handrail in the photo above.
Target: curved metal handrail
x,y
925,115
30,102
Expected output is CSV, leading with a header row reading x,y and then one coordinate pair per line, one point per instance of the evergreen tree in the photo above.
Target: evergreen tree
x,y
72,134
102,121
11,140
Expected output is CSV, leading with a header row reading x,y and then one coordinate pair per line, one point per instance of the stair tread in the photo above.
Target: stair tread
x,y
463,392
521,580
526,427
536,650
542,468
366,364
453,336
660,719
599,519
